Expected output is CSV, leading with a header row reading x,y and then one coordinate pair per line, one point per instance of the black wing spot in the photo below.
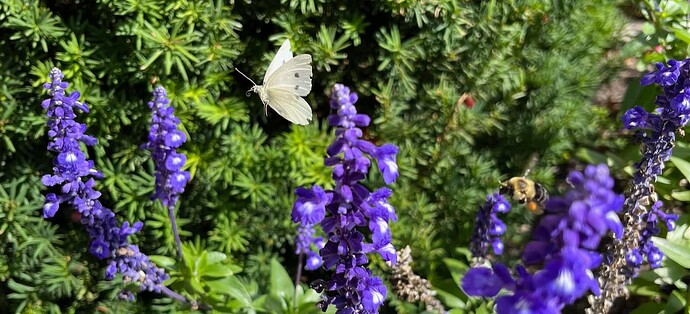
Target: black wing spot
x,y
296,87
296,74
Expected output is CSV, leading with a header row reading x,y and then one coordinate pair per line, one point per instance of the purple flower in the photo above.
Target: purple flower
x,y
385,156
314,261
568,275
647,249
664,75
525,302
484,281
564,242
488,228
348,210
51,205
373,294
75,176
635,118
310,206
164,139
305,240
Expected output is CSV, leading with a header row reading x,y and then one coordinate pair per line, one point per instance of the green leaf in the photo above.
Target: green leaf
x,y
215,257
457,269
682,34
649,308
671,273
281,284
683,196
648,28
681,150
151,59
637,95
484,309
591,156
675,303
196,285
163,261
217,270
223,111
679,253
275,304
681,233
682,165
450,299
18,287
9,144
308,297
260,302
648,289
232,287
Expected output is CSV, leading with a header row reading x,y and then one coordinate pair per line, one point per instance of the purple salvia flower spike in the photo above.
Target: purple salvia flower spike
x,y
657,132
488,228
347,210
164,139
74,174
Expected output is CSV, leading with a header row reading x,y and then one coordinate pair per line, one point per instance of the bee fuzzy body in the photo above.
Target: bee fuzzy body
x,y
527,192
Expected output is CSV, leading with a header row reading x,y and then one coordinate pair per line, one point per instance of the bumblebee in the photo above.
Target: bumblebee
x,y
527,192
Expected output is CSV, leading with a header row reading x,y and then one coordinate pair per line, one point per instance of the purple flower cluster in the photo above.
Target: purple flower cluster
x,y
647,250
305,239
75,176
489,228
164,139
656,131
310,209
564,243
347,208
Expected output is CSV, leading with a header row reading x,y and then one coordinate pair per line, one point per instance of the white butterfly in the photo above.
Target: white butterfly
x,y
286,81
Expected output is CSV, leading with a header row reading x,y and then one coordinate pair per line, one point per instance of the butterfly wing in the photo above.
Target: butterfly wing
x,y
287,80
293,76
289,105
283,55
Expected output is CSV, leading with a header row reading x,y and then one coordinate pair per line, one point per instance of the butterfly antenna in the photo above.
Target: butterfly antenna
x,y
247,77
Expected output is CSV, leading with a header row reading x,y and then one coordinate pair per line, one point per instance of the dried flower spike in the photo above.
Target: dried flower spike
x,y
657,132
411,287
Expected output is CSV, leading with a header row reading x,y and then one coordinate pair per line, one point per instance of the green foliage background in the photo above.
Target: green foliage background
x,y
530,66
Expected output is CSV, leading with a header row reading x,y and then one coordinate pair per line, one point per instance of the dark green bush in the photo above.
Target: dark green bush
x,y
529,67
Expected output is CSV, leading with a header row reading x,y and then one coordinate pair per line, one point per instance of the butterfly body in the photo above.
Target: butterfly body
x,y
286,81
